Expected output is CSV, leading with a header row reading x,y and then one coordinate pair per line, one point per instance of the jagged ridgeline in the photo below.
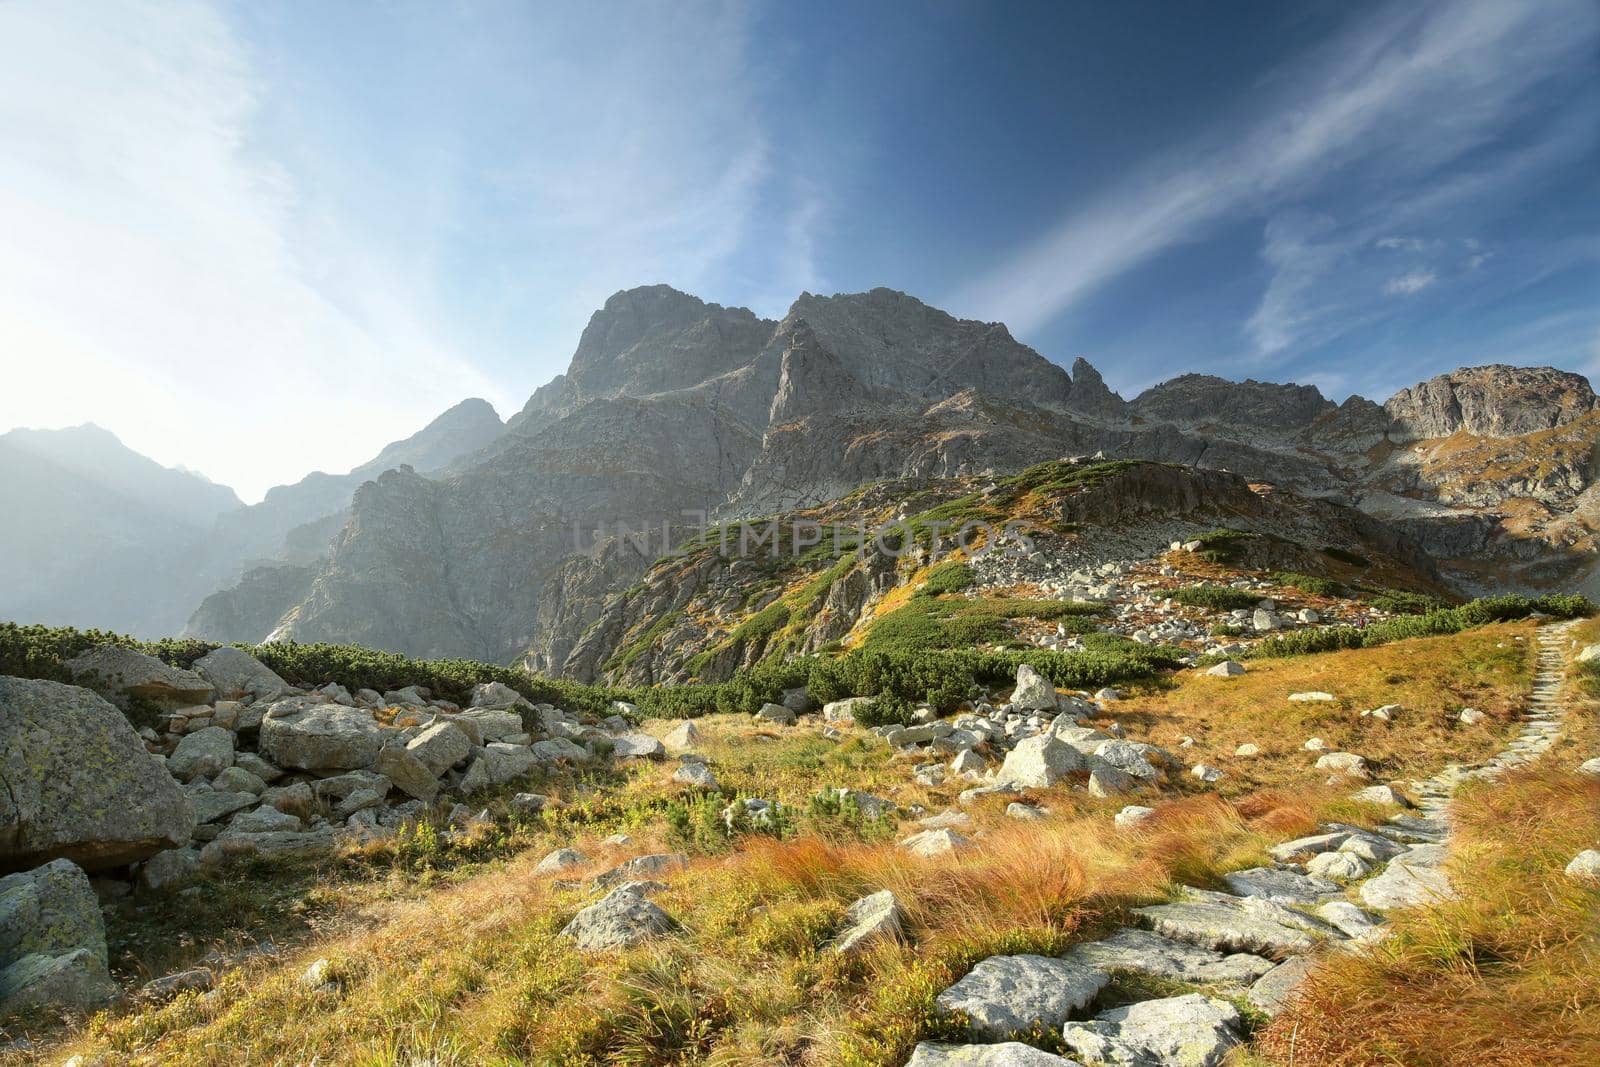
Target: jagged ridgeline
x,y
672,405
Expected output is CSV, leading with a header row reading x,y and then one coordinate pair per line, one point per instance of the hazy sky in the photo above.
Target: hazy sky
x,y
260,239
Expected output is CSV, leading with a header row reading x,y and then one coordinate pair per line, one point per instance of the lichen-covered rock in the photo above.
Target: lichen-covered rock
x,y
52,941
440,747
408,773
122,675
78,782
1275,989
321,737
1230,924
1149,953
620,919
560,860
498,764
1033,692
235,673
872,918
1040,761
205,753
1006,995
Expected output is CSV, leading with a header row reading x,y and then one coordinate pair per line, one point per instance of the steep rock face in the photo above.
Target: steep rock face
x,y
453,567
895,342
1091,396
251,610
1248,409
1491,401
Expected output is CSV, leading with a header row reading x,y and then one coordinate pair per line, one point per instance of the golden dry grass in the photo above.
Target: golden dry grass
x,y
1432,678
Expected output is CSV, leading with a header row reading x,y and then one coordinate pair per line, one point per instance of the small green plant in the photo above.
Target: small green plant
x,y
1309,583
949,577
1216,597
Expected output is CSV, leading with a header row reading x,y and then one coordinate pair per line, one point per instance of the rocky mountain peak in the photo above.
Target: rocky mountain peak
x,y
1251,407
811,379
654,338
460,430
1490,401
1091,395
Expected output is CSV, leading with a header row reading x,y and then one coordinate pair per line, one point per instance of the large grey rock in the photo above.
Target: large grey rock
x,y
638,746
776,713
1273,992
555,749
1128,757
1005,995
1407,884
235,673
1230,924
498,764
78,782
408,773
1489,401
1003,1054
52,941
621,919
495,695
1040,761
280,844
322,737
929,844
168,869
212,804
872,918
236,779
493,724
1188,1031
440,747
844,710
1280,884
121,675
682,737
202,754
263,820
1149,953
642,867
697,776
1033,692
560,860
1585,867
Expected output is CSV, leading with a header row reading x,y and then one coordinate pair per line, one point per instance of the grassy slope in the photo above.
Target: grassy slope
x,y
448,948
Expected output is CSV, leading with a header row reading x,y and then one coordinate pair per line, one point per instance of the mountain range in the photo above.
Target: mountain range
x,y
499,542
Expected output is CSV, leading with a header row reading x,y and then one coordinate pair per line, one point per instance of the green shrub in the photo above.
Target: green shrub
x,y
934,623
1224,546
1400,602
1216,597
1309,583
1229,629
886,710
950,577
1468,616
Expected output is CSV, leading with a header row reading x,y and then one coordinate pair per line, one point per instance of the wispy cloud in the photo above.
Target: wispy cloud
x,y
1404,244
1387,105
1410,282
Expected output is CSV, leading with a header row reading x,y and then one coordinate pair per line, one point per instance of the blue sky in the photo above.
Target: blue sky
x,y
258,239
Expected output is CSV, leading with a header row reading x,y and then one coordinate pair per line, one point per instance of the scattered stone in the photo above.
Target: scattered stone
x,y
1347,918
1040,761
1590,768
967,762
682,737
236,779
319,977
1128,756
408,773
1193,1029
263,820
641,746
1585,867
1249,748
498,764
1206,773
1338,867
1226,669
1315,697
1005,995
1381,794
1383,714
844,710
932,843
1347,764
194,980
249,761
169,869
869,919
1275,989
1026,812
1132,816
561,859
697,776
1108,781
642,867
440,747
1108,696
1315,744
776,713
1033,692
1470,717
621,919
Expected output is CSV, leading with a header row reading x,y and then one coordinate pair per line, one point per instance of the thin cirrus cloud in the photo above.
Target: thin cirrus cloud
x,y
1388,106
1413,281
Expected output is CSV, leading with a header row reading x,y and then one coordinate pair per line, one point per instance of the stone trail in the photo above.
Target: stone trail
x,y
1257,942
